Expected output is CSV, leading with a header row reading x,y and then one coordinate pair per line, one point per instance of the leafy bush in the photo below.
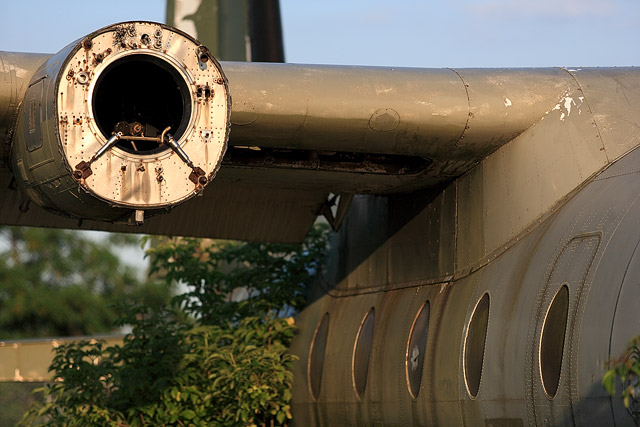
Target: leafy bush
x,y
209,359
624,374
270,277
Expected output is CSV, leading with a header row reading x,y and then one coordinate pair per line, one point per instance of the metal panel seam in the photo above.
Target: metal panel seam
x,y
604,148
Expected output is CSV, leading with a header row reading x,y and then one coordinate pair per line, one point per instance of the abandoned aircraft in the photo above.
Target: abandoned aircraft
x,y
484,264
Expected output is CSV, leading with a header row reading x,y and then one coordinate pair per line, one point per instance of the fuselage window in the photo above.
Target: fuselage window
x,y
474,345
315,363
416,349
552,341
362,352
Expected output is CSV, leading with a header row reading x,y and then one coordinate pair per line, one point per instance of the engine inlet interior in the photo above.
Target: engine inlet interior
x,y
141,96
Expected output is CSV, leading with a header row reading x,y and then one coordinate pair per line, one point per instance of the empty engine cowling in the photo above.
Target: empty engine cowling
x,y
133,118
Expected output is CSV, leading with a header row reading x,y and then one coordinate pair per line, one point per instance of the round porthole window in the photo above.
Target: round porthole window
x,y
362,352
552,341
416,349
315,363
474,345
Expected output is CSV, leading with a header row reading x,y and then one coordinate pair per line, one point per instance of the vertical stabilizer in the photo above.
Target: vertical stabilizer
x,y
234,30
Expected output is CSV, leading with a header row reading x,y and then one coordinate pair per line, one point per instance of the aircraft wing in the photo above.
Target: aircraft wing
x,y
232,211
295,134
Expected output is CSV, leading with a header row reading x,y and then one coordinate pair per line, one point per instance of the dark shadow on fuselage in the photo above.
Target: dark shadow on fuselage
x,y
364,253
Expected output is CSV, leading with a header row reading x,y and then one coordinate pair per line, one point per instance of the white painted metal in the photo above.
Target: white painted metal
x,y
132,179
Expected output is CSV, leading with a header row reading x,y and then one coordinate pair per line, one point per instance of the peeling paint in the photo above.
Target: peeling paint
x,y
566,104
507,102
381,91
20,72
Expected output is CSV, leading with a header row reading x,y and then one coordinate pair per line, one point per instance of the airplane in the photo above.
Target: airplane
x,y
484,263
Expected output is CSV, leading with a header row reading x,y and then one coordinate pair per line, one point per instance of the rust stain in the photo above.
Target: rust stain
x,y
124,191
146,186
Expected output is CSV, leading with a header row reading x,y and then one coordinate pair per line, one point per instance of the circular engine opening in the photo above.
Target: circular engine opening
x,y
140,96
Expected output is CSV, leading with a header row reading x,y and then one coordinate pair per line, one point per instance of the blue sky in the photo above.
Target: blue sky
x,y
454,33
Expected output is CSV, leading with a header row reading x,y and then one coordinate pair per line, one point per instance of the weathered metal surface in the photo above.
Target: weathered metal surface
x,y
451,119
508,192
552,208
328,161
436,114
448,120
78,95
28,360
16,70
588,245
516,185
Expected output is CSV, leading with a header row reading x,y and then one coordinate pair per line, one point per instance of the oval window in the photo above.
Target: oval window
x,y
361,353
474,344
316,356
416,349
552,341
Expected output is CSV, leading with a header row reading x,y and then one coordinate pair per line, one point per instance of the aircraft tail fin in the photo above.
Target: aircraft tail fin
x,y
233,30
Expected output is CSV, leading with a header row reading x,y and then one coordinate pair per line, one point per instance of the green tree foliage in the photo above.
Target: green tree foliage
x,y
623,376
63,283
261,278
208,359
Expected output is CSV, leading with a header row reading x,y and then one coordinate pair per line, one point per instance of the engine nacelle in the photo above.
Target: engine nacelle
x,y
132,118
